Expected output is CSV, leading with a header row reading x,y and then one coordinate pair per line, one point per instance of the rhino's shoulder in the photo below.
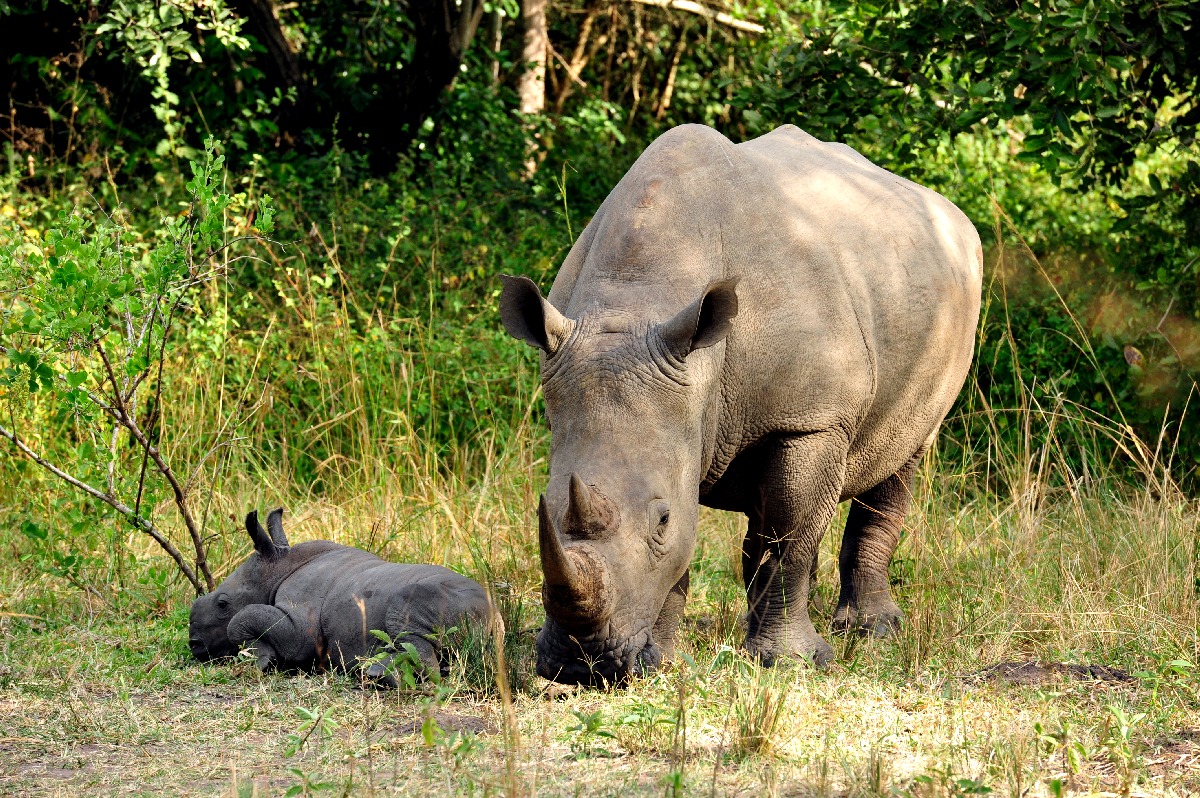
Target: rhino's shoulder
x,y
680,151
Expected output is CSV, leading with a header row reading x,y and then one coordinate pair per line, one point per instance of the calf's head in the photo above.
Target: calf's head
x,y
628,404
253,582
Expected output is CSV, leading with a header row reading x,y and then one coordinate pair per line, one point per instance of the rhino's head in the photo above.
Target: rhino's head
x,y
629,406
252,583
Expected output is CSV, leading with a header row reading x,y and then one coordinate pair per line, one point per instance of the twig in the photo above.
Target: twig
x,y
571,72
140,523
693,7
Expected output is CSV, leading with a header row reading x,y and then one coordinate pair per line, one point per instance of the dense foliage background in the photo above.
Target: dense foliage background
x,y
414,150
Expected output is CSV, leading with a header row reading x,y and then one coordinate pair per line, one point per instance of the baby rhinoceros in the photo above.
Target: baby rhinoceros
x,y
315,604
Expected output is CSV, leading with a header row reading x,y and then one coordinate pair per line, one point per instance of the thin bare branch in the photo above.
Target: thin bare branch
x,y
692,7
137,521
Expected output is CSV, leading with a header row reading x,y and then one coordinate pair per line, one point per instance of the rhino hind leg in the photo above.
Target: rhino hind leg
x,y
416,614
801,484
872,534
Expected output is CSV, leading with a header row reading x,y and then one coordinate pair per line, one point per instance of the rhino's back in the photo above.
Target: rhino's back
x,y
900,262
858,297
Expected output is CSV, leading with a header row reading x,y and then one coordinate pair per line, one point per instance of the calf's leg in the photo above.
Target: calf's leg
x,y
416,614
273,636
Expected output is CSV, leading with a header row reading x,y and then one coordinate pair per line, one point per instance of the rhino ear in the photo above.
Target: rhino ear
x,y
704,322
275,527
262,541
529,317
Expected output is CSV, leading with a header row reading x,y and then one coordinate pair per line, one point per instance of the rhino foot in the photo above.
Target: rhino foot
x,y
380,675
811,647
265,658
878,620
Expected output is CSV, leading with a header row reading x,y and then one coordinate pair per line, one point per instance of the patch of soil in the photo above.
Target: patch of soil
x,y
448,722
1176,757
1031,673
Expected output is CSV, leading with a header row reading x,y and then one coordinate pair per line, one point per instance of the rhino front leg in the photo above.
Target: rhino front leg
x,y
272,635
667,625
872,534
799,491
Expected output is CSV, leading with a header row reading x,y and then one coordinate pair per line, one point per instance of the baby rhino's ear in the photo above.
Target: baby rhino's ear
x,y
275,527
262,541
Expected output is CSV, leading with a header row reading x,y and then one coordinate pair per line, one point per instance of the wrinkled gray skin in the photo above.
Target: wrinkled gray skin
x,y
771,327
313,605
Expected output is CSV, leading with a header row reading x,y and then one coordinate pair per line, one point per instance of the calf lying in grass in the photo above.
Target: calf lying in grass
x,y
314,605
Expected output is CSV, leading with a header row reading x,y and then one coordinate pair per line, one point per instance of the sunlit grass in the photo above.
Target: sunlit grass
x,y
1035,546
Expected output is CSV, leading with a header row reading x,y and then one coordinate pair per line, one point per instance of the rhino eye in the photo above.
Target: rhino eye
x,y
222,602
660,514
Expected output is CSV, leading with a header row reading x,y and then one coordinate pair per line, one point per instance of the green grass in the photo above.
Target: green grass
x,y
100,695
417,437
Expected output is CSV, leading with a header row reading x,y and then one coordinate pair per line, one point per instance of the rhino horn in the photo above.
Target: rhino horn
x,y
575,583
589,513
557,566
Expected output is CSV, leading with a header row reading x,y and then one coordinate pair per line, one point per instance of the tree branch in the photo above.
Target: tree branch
x,y
140,523
693,7
130,423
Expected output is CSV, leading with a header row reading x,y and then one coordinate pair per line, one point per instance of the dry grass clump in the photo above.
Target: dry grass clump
x,y
759,702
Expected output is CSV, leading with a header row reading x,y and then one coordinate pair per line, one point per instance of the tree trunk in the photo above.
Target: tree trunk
x,y
404,99
532,86
283,65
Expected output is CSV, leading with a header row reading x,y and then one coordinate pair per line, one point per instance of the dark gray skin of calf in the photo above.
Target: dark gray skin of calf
x,y
312,606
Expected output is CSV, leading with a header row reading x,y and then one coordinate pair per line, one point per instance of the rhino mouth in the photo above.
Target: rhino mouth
x,y
201,651
604,658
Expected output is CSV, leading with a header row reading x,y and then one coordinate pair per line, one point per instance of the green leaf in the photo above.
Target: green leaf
x,y
32,531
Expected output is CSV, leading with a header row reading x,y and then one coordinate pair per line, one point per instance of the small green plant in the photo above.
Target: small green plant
x,y
314,721
941,781
590,727
307,785
401,661
1166,673
1065,742
1118,740
647,726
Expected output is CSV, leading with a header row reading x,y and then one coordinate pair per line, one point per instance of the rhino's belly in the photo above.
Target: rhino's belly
x,y
347,622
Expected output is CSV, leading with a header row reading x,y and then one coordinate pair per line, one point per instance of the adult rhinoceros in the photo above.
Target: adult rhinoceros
x,y
771,327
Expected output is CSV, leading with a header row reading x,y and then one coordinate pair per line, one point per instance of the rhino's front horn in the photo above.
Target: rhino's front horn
x,y
574,588
589,513
557,567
